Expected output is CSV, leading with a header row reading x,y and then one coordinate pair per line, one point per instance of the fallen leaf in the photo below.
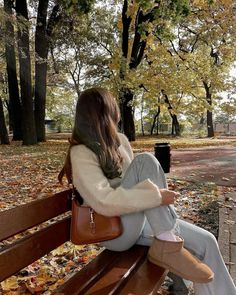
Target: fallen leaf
x,y
226,179
9,284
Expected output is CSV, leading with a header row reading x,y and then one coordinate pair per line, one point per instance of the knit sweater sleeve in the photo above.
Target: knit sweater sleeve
x,y
94,187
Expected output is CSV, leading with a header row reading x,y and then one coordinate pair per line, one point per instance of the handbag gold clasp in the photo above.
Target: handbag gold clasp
x,y
92,222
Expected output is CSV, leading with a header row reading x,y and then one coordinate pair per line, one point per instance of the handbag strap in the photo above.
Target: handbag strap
x,y
76,195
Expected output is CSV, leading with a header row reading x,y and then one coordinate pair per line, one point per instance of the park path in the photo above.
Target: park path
x,y
218,165
210,164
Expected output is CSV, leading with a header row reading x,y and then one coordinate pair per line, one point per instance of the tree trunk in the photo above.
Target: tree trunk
x,y
210,127
41,55
157,127
15,116
3,129
155,120
29,130
153,124
43,32
137,53
142,123
175,122
127,119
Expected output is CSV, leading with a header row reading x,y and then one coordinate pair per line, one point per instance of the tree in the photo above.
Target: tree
x,y
63,15
3,129
205,44
28,120
4,139
175,122
43,33
41,55
32,103
210,128
139,20
155,122
82,51
15,112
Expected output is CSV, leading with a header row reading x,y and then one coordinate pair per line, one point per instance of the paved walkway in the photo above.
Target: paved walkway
x,y
211,164
218,165
227,233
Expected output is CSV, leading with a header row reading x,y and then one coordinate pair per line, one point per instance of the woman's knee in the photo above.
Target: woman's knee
x,y
149,167
148,159
145,156
118,247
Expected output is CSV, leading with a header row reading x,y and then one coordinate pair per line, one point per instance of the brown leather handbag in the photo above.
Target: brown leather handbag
x,y
89,227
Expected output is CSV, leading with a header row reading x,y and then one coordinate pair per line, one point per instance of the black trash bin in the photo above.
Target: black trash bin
x,y
162,153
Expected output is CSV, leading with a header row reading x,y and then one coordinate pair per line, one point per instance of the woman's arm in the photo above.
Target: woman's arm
x,y
94,187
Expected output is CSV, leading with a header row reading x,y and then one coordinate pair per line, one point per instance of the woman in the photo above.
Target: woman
x,y
101,163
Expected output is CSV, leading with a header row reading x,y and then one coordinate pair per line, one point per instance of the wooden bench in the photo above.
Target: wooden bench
x,y
110,272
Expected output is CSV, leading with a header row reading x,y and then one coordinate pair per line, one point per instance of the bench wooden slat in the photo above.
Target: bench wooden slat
x,y
115,279
147,280
81,281
108,271
111,273
140,255
27,250
18,219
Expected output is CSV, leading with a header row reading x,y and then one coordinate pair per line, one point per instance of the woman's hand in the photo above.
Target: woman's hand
x,y
168,197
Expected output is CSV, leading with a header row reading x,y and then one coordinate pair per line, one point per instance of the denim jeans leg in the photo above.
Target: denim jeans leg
x,y
204,245
145,165
161,218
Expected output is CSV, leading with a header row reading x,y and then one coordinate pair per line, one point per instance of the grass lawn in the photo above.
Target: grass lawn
x,y
147,142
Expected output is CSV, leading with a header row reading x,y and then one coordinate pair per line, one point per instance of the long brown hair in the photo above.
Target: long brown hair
x,y
96,119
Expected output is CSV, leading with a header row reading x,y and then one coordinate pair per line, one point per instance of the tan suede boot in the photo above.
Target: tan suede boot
x,y
174,257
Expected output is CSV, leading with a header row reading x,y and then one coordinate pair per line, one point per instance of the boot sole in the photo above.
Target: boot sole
x,y
154,261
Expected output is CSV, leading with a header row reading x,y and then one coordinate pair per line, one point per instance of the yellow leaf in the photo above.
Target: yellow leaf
x,y
59,251
9,284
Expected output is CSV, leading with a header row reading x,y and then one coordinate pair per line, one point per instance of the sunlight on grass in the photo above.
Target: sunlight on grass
x,y
146,143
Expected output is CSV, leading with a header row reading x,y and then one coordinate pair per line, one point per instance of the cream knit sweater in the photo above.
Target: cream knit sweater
x,y
106,196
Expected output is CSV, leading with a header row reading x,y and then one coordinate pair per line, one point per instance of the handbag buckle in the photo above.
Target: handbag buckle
x,y
92,222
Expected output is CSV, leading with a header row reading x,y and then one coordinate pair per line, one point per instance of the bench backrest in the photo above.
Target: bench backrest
x,y
33,245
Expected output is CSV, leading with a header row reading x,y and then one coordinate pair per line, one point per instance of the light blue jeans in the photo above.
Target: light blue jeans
x,y
139,228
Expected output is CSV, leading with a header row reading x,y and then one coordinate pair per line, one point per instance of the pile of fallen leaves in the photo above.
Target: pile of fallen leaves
x,y
47,273
198,203
28,173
